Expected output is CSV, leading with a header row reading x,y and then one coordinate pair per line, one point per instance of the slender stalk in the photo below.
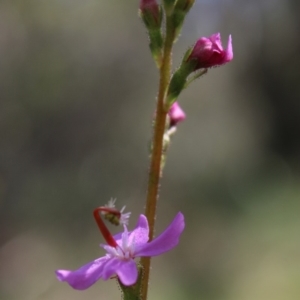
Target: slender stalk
x,y
157,147
105,232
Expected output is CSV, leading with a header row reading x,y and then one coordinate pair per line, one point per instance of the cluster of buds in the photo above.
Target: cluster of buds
x,y
152,15
206,53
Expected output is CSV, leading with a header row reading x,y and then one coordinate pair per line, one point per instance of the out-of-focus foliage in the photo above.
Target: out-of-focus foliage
x,y
77,95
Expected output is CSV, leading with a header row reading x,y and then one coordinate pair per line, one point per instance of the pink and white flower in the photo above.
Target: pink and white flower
x,y
120,260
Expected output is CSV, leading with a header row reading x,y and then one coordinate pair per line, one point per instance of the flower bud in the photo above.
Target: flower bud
x,y
169,5
208,52
180,11
176,114
151,13
184,5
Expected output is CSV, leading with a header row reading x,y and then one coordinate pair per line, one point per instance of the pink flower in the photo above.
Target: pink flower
x,y
119,260
208,52
176,114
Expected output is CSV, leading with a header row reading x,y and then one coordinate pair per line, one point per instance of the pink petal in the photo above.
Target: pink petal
x,y
216,40
140,235
202,47
110,268
176,114
85,276
127,272
229,51
164,242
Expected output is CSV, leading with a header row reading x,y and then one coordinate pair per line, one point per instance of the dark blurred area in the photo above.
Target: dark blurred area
x,y
77,96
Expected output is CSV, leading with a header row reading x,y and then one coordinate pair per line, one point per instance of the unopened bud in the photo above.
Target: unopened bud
x,y
180,11
176,114
208,52
184,5
151,13
169,5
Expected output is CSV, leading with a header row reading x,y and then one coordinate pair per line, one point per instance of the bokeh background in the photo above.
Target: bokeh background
x,y
77,95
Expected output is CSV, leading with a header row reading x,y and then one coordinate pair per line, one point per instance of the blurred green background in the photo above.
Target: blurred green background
x,y
77,95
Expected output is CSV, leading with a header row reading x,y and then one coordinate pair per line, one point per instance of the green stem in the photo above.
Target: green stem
x,y
156,157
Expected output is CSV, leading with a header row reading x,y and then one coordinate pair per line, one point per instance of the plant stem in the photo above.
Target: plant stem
x,y
157,147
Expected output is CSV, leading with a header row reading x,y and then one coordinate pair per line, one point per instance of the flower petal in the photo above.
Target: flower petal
x,y
140,234
165,241
85,276
229,51
110,268
216,40
127,272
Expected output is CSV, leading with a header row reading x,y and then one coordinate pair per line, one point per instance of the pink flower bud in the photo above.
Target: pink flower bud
x,y
150,8
176,114
208,52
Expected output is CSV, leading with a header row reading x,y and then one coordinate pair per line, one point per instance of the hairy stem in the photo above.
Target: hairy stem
x,y
157,147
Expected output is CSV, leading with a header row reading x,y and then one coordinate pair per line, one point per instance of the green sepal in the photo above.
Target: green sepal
x,y
178,82
156,45
187,54
184,5
180,10
151,22
177,21
197,75
133,292
168,6
154,24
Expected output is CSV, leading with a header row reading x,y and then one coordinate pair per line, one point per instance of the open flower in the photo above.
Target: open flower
x,y
208,52
119,260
